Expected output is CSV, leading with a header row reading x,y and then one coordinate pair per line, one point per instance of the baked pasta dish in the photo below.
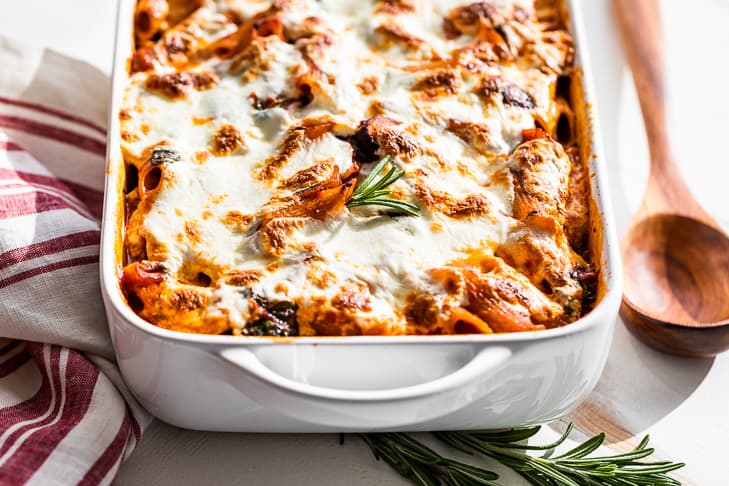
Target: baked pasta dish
x,y
354,167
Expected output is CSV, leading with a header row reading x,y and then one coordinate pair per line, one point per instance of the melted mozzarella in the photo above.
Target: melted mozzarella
x,y
328,147
281,61
203,195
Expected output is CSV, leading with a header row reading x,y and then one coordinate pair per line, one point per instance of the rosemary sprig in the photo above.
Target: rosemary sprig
x,y
373,191
426,467
422,465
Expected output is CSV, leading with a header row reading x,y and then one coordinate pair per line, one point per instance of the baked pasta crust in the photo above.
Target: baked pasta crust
x,y
248,125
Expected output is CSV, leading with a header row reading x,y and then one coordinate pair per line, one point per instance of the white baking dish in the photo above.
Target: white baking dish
x,y
325,384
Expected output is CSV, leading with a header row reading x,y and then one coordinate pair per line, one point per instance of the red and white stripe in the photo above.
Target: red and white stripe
x,y
52,115
70,146
62,420
73,430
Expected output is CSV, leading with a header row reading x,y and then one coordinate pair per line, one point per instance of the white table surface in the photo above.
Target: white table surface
x,y
682,403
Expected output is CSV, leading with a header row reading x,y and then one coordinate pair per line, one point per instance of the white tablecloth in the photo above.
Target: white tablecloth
x,y
682,403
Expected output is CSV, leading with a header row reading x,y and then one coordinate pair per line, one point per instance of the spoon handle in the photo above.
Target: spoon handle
x,y
640,26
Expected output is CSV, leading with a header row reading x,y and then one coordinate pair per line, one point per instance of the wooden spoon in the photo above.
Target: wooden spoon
x,y
675,256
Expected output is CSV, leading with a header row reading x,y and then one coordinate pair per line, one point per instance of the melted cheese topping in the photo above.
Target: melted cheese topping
x,y
448,89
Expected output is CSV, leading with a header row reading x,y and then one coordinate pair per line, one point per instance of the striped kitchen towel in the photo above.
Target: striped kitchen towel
x,y
66,416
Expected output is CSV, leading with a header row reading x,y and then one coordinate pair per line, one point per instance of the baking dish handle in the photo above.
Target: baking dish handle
x,y
345,409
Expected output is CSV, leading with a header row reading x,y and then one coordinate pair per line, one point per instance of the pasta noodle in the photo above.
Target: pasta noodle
x,y
150,19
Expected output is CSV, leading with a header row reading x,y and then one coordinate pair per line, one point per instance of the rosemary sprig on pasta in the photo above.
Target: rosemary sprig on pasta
x,y
425,467
373,190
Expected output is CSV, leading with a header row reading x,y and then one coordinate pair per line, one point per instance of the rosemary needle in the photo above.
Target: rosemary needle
x,y
425,467
372,191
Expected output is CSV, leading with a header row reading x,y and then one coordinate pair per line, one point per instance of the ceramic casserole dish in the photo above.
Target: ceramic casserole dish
x,y
361,383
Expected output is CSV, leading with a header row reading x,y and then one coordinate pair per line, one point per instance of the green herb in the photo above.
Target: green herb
x,y
268,327
373,190
275,318
164,155
422,465
426,467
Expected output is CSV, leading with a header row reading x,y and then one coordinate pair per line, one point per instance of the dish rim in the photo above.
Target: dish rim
x,y
600,195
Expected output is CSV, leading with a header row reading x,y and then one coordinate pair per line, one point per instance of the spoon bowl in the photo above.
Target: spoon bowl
x,y
678,274
675,257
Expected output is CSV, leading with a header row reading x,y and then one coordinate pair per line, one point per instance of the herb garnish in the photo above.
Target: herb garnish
x,y
373,191
425,467
422,465
164,155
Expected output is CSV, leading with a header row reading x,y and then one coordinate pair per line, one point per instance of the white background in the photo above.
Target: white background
x,y
683,404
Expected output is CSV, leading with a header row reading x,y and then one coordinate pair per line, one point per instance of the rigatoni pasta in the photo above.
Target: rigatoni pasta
x,y
150,19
